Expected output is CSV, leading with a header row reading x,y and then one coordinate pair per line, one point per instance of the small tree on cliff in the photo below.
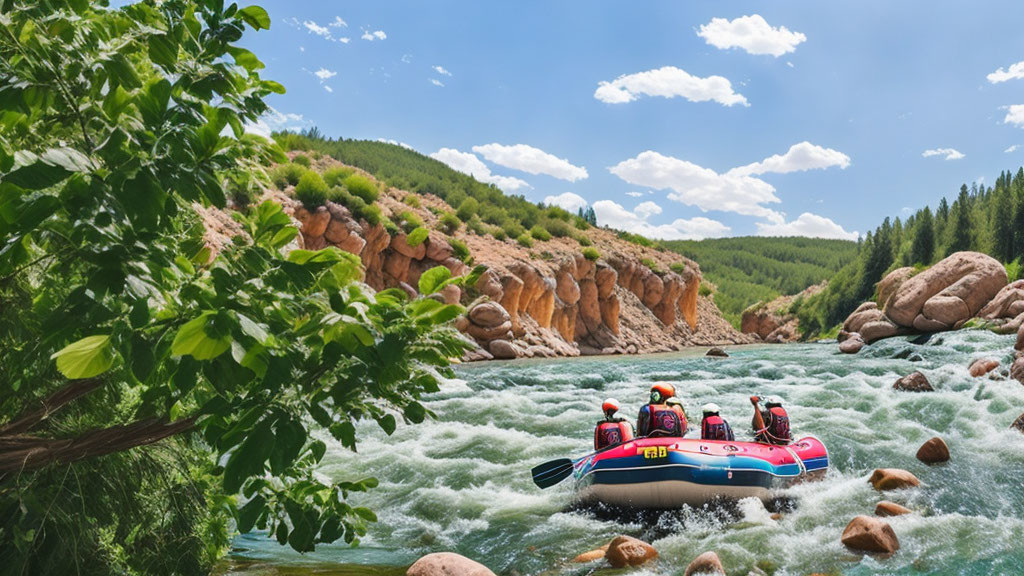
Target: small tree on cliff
x,y
922,250
119,328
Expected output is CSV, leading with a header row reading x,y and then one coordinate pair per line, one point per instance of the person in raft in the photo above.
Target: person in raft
x,y
771,425
659,418
612,430
713,426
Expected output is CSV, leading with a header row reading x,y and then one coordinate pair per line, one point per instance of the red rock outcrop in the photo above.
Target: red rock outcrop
x,y
774,321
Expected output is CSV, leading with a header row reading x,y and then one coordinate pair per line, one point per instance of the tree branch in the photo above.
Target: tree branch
x,y
74,390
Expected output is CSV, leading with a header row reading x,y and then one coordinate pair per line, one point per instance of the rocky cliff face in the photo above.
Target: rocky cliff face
x,y
774,321
548,300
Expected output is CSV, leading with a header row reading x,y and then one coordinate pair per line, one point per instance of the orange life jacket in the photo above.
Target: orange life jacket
x,y
612,432
776,426
661,420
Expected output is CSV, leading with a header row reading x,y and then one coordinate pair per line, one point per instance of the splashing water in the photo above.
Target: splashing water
x,y
462,482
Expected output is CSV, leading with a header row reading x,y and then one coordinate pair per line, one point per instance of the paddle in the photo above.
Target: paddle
x,y
758,420
552,472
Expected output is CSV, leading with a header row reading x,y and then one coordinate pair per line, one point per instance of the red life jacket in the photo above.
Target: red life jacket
x,y
777,426
612,432
662,420
715,428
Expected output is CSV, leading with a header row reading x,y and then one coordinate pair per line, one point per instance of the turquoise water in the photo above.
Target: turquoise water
x,y
462,483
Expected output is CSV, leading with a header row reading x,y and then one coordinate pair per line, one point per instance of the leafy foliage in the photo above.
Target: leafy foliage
x,y
105,281
311,190
362,187
591,254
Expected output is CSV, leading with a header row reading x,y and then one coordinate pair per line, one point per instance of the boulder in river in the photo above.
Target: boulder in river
x,y
595,554
852,344
933,451
717,352
983,366
893,479
886,508
867,534
1019,346
706,563
1018,423
913,382
447,564
628,551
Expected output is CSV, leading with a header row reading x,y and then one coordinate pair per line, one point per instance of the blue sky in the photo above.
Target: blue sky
x,y
672,119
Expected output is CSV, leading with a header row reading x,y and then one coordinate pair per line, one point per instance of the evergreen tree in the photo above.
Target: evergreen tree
x,y
879,258
1003,236
923,248
961,225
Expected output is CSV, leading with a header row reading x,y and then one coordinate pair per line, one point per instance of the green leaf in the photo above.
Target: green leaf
x,y
245,58
248,459
163,49
388,423
88,357
289,436
344,432
415,412
250,513
433,280
194,340
365,514
317,448
254,16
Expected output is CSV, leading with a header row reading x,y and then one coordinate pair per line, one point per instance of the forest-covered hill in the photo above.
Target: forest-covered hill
x,y
987,219
751,269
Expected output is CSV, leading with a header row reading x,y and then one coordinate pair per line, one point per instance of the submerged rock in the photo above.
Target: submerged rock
x,y
933,451
983,366
886,508
893,479
1018,423
717,352
447,564
913,382
706,563
1017,368
628,551
595,554
867,534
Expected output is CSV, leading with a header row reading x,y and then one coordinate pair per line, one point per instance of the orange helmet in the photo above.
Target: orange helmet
x,y
610,406
661,392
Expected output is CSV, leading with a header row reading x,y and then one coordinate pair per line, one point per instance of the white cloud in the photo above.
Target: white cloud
x,y
635,194
1016,72
441,70
612,214
751,33
949,153
407,58
437,82
531,160
568,200
468,163
704,188
344,40
273,121
790,64
325,74
668,82
1012,149
1015,115
338,23
799,158
375,35
395,142
329,89
807,224
317,29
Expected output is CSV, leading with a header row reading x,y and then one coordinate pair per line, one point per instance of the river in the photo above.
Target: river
x,y
462,482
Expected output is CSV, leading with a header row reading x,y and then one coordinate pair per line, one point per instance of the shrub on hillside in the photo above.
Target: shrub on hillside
x,y
591,254
360,209
583,240
651,264
512,228
411,200
449,223
704,290
285,175
498,233
467,209
311,190
301,160
362,186
408,220
539,233
580,223
335,175
417,236
558,228
677,267
525,240
459,249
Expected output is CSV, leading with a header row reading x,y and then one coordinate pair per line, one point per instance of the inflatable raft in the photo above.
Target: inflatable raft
x,y
670,472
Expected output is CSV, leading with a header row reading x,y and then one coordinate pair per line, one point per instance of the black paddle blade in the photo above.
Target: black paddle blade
x,y
550,473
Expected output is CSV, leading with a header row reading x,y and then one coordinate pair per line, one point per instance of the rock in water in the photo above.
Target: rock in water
x,y
867,534
706,563
933,451
1018,423
628,551
595,554
913,382
983,366
717,352
1019,346
447,564
893,479
852,344
886,508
